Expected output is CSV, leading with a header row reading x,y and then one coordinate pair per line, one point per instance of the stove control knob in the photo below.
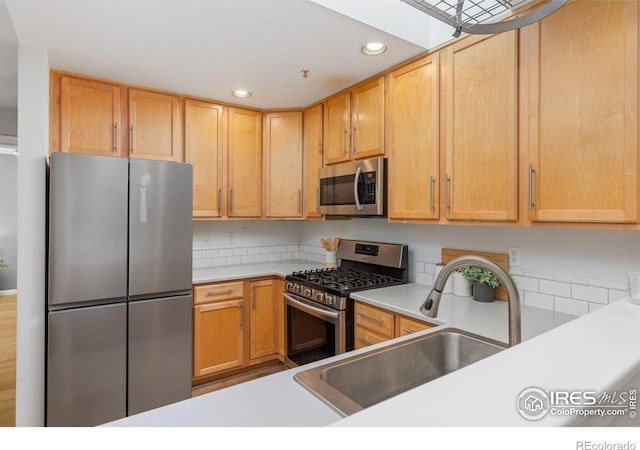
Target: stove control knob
x,y
288,286
329,299
297,288
320,297
308,292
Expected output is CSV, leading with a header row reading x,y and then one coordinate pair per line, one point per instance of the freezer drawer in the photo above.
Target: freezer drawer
x,y
159,352
160,228
86,366
87,228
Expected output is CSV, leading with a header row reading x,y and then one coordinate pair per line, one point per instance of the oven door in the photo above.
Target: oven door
x,y
352,189
313,331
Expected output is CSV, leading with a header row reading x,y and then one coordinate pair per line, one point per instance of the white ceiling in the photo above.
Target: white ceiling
x,y
207,48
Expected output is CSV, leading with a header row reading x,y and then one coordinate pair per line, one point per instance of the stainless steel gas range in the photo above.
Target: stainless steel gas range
x,y
319,309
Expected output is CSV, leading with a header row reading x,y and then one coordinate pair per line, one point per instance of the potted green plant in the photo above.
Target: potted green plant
x,y
484,282
2,264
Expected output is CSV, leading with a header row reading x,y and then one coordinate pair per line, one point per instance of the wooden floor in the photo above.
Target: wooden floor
x,y
237,379
7,361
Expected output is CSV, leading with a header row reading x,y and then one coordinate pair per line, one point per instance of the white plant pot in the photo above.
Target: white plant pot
x,y
448,286
461,286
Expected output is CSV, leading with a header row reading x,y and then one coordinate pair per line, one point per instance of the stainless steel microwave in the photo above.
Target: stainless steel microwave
x,y
353,189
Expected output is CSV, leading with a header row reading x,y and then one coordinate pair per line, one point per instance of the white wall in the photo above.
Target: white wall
x,y
8,218
8,122
33,123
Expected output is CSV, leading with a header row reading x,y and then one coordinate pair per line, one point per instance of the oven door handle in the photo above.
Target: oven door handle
x,y
356,196
312,309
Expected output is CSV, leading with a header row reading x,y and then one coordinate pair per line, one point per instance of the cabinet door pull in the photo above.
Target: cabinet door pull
x,y
115,140
360,338
132,138
353,139
299,201
375,319
220,291
253,297
231,200
447,180
241,315
219,201
531,171
344,139
317,199
431,181
408,330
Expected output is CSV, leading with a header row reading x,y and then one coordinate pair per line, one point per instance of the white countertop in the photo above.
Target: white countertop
x,y
595,350
240,271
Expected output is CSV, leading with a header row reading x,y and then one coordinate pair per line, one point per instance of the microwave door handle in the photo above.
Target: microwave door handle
x,y
355,188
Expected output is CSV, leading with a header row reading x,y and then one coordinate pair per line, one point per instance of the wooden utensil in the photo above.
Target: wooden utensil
x,y
330,244
323,241
336,241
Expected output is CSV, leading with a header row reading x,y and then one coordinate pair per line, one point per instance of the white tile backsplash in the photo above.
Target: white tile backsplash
x,y
571,306
555,288
589,293
538,300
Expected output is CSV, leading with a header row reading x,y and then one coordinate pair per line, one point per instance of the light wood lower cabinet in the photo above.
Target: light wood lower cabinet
x,y
7,360
374,325
236,324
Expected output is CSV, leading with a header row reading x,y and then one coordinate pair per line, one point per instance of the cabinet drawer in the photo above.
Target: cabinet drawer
x,y
374,319
219,291
365,338
410,326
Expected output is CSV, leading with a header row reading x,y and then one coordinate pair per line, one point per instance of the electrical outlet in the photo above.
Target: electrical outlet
x,y
514,256
231,236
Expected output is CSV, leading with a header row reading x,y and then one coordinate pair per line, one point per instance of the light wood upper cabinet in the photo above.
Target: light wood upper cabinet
x,y
218,341
479,110
582,127
283,164
204,148
367,119
244,171
90,117
413,140
337,129
354,123
155,125
263,340
312,159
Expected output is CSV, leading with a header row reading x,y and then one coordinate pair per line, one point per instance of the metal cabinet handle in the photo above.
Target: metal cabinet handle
x,y
241,315
431,181
253,297
353,138
220,291
299,201
344,143
115,141
132,138
360,338
219,200
355,187
231,200
408,330
317,199
531,171
447,180
375,319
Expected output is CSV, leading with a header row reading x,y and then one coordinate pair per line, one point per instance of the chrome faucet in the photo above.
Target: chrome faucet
x,y
431,304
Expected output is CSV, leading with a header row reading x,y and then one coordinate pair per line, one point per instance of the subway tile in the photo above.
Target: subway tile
x,y
518,273
424,278
267,249
210,253
260,258
555,288
286,256
273,257
589,293
240,251
419,267
247,259
197,254
539,276
615,294
224,252
201,263
538,300
218,262
430,268
230,260
293,248
526,284
572,280
295,255
608,285
571,306
253,251
280,248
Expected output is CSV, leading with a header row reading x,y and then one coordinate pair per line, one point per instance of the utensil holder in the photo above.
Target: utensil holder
x,y
332,259
461,286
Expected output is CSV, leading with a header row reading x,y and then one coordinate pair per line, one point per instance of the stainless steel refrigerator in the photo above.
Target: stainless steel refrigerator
x,y
119,319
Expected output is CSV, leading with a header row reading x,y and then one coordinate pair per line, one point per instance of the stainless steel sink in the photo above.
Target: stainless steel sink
x,y
355,383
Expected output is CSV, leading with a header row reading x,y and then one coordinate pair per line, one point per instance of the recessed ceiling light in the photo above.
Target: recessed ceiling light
x,y
374,48
242,93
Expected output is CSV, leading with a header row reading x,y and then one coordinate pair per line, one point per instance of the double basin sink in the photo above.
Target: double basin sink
x,y
355,383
